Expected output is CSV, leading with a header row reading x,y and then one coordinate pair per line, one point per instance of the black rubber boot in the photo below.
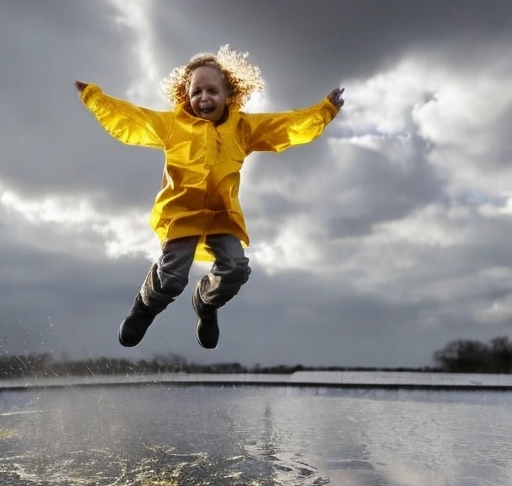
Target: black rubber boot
x,y
136,323
207,330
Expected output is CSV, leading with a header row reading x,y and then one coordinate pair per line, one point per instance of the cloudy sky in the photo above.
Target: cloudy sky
x,y
373,246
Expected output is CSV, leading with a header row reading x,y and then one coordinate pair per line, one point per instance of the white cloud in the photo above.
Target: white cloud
x,y
135,15
435,225
296,246
382,105
258,102
456,115
76,219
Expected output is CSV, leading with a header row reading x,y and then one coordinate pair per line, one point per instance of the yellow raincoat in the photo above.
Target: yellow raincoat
x,y
199,194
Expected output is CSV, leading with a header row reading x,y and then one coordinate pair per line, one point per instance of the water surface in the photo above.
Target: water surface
x,y
168,434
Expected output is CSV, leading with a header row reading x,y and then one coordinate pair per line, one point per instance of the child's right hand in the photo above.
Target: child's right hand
x,y
80,86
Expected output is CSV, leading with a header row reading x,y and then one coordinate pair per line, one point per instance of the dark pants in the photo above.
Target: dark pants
x,y
168,276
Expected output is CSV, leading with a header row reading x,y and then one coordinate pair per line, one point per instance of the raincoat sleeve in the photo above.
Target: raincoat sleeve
x,y
276,132
130,124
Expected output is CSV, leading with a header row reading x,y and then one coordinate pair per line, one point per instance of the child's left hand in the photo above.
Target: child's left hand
x,y
335,97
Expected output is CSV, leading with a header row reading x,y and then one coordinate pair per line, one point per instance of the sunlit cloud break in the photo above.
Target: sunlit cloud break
x,y
135,15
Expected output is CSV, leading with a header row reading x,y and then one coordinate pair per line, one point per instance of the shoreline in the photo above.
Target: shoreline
x,y
300,379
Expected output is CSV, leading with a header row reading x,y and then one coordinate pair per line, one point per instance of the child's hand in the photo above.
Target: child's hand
x,y
80,86
335,97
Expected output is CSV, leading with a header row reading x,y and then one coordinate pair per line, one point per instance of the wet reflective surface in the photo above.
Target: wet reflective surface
x,y
236,435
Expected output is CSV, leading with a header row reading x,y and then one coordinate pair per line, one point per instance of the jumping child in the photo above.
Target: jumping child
x,y
197,214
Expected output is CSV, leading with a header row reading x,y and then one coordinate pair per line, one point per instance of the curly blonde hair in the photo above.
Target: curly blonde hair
x,y
242,78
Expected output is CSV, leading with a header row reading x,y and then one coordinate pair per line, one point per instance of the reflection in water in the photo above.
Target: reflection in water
x,y
443,443
274,445
196,435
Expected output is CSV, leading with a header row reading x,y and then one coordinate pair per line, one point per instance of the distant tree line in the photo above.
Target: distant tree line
x,y
460,356
45,365
468,356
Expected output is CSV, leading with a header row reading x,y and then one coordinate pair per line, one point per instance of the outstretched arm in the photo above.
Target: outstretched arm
x,y
278,131
128,123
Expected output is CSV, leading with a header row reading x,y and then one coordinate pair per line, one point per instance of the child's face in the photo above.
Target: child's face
x,y
208,93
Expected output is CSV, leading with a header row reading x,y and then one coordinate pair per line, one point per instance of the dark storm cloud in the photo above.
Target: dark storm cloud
x,y
309,44
50,45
